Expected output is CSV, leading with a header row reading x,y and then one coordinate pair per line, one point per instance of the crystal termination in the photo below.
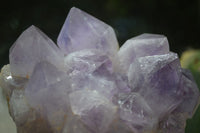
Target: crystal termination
x,y
87,84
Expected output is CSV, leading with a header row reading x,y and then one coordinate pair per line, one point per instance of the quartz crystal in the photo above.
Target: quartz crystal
x,y
140,46
83,31
87,84
29,49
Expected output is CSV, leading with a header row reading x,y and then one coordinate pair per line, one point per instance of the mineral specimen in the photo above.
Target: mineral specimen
x,y
87,85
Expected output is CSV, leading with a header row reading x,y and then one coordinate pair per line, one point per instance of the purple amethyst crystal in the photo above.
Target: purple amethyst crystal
x,y
83,31
87,85
32,47
140,46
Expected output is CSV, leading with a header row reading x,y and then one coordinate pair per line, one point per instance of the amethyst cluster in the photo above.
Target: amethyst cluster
x,y
89,85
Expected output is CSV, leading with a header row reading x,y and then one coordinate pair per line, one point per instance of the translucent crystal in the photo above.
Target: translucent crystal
x,y
174,123
19,108
88,86
140,46
96,111
47,93
156,78
74,125
83,31
31,47
190,94
135,111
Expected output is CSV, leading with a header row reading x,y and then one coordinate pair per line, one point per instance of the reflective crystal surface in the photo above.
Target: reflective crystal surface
x,y
32,47
88,85
83,31
96,111
140,46
157,78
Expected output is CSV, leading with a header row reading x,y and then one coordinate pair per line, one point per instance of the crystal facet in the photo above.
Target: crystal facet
x,y
87,85
96,111
32,47
83,31
46,92
140,46
156,78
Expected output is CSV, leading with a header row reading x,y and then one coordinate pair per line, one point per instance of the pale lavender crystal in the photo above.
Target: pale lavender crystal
x,y
86,61
81,67
174,123
96,111
25,117
74,125
47,92
92,69
142,68
119,126
31,47
190,94
142,45
87,85
156,78
19,107
135,111
83,31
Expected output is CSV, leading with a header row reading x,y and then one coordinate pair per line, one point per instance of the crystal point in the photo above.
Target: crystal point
x,y
83,31
46,92
157,80
88,85
140,46
31,47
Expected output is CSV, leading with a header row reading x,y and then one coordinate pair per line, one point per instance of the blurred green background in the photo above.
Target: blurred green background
x,y
179,20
